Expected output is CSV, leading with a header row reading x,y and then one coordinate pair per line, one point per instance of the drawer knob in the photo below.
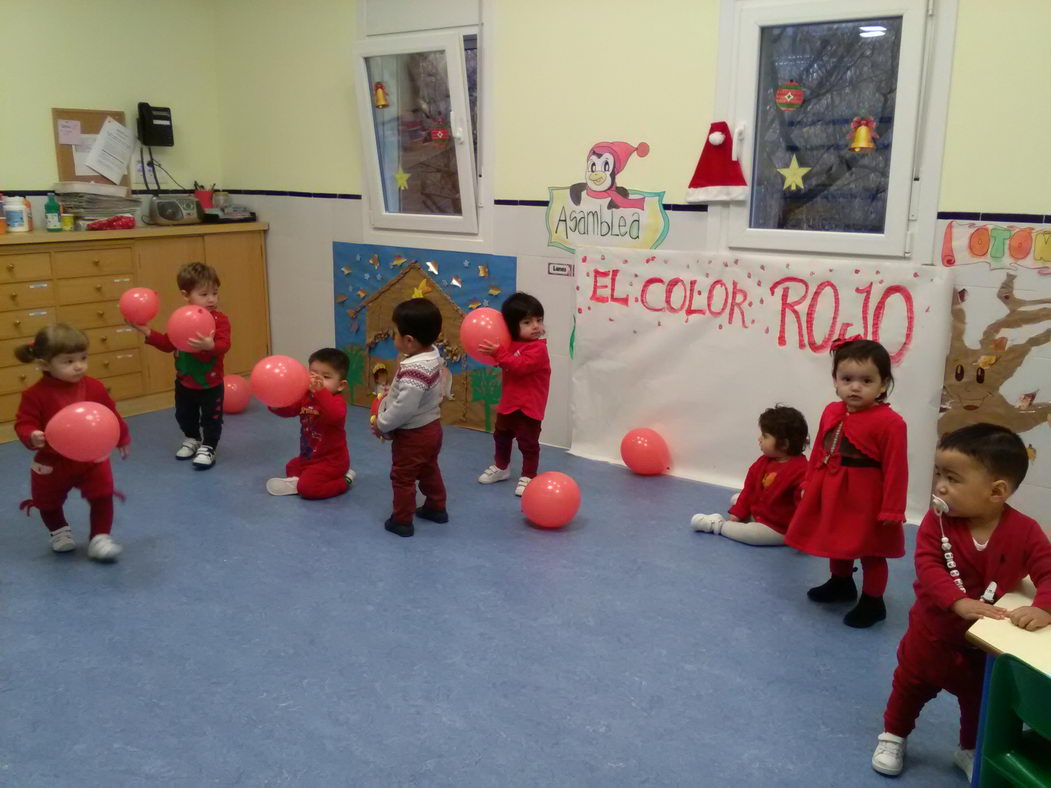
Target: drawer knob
x,y
22,377
105,363
18,322
96,261
104,339
98,287
10,266
14,296
100,313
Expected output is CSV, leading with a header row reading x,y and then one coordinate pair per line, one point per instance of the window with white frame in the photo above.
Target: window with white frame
x,y
825,107
417,97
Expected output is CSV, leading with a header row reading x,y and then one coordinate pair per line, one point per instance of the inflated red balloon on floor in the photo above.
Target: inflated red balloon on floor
x,y
279,381
645,452
236,395
83,431
551,500
139,305
484,325
187,322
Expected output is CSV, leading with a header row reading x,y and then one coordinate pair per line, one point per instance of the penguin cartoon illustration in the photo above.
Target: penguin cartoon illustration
x,y
605,162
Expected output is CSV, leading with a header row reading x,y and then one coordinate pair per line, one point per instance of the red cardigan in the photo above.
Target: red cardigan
x,y
771,492
48,396
527,378
1016,548
202,370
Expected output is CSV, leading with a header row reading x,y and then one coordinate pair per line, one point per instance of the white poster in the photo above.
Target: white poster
x,y
697,345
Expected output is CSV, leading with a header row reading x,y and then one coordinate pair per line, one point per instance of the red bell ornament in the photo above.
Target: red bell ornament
x,y
863,133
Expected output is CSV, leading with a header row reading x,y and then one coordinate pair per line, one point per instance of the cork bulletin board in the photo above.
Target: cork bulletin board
x,y
91,121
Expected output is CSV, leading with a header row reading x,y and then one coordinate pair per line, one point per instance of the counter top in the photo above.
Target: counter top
x,y
143,231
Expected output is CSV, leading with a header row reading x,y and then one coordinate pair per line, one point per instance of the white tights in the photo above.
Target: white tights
x,y
752,533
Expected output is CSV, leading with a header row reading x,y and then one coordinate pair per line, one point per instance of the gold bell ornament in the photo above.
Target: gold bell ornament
x,y
863,132
380,96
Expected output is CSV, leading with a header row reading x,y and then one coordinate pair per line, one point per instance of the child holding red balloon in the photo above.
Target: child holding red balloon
x,y
856,484
523,398
61,353
410,415
198,367
322,469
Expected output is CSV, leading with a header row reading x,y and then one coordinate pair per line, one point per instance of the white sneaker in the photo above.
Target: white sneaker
x,y
494,474
889,757
62,540
708,523
103,548
286,486
187,449
964,760
204,458
350,476
523,482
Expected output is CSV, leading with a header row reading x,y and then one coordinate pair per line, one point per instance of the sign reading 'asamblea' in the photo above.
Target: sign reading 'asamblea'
x,y
600,211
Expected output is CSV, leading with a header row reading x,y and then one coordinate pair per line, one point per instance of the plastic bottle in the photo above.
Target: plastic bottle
x,y
52,214
29,213
16,215
3,219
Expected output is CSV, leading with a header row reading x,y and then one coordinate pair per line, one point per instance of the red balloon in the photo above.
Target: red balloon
x,y
279,381
83,431
139,305
236,394
484,325
645,452
186,323
551,500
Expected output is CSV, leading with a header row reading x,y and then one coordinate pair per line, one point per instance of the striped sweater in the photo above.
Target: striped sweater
x,y
415,397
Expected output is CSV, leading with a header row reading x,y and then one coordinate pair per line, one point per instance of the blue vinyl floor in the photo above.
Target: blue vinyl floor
x,y
249,640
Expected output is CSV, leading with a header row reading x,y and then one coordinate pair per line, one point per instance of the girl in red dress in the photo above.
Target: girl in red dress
x,y
854,500
61,352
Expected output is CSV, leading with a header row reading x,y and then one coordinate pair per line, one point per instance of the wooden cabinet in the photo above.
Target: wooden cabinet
x,y
77,279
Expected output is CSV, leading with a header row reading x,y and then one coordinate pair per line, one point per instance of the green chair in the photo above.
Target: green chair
x,y
1018,694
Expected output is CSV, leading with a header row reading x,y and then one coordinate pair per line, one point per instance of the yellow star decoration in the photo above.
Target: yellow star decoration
x,y
402,178
793,175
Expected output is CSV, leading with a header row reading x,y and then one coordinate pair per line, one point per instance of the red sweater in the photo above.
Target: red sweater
x,y
322,426
202,370
48,396
1016,548
526,379
771,492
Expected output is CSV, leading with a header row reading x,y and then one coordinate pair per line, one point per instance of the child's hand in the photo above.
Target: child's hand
x,y
733,518
1030,618
974,609
374,427
488,347
124,451
316,382
144,330
36,437
201,342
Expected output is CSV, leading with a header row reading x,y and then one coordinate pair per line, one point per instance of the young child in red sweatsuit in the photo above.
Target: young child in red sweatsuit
x,y
970,550
322,469
762,510
856,484
523,396
61,352
199,375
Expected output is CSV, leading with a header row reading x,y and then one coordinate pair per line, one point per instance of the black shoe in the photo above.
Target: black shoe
x,y
836,589
434,515
401,529
866,612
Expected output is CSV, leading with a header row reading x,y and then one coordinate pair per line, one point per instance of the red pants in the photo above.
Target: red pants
x,y
414,458
517,425
318,478
873,573
925,667
52,478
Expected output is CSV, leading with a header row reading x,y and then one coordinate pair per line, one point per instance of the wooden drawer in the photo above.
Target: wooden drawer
x,y
92,288
14,379
112,338
9,406
85,316
123,386
22,267
24,323
117,362
26,294
91,262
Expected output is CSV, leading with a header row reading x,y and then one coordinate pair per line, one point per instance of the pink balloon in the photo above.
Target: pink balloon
x,y
139,305
236,395
484,325
186,323
279,381
645,452
551,500
83,431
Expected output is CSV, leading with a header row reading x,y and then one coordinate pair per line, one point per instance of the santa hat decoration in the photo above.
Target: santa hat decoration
x,y
621,152
718,176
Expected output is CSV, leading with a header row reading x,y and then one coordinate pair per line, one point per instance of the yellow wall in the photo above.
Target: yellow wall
x,y
106,54
571,73
996,151
286,95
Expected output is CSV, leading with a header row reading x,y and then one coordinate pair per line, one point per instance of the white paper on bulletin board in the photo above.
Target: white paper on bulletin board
x,y
755,332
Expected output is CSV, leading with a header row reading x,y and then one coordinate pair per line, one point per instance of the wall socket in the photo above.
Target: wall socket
x,y
162,177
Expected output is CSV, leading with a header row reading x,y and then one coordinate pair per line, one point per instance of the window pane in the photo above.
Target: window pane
x,y
818,86
417,155
470,58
